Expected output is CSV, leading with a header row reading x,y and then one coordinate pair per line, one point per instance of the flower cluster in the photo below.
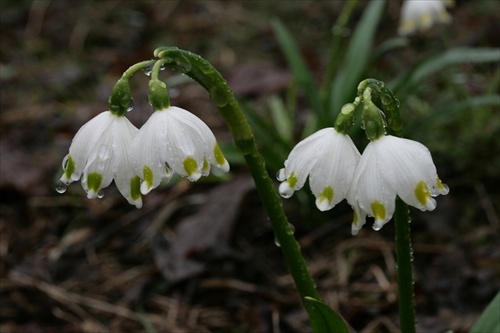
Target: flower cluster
x,y
109,147
390,166
422,14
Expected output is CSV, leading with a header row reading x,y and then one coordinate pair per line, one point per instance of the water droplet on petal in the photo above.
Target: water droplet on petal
x,y
130,105
100,194
61,187
376,227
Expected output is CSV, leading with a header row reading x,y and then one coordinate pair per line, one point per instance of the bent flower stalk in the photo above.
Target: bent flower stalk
x,y
98,154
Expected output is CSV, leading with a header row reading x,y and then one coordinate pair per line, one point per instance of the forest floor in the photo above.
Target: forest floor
x,y
201,257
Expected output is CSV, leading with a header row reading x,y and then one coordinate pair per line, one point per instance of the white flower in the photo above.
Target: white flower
x,y
329,158
422,14
174,140
99,154
393,166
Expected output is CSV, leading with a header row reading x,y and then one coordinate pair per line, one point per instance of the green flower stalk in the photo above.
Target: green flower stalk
x,y
204,73
393,173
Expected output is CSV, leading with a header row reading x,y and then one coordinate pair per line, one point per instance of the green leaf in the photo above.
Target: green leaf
x,y
490,319
323,318
438,62
281,118
356,59
301,72
446,112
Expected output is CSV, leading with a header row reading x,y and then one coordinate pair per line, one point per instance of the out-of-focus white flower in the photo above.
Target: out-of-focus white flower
x,y
98,154
329,159
174,140
393,166
422,14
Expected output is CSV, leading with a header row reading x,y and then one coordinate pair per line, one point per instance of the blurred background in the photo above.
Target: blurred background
x,y
201,257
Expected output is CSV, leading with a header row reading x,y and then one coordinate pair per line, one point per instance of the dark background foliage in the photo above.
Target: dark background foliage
x,y
201,257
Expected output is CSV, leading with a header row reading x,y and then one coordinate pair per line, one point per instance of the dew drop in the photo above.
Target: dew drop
x,y
376,227
148,69
61,187
183,63
386,99
277,242
130,105
218,97
206,67
291,229
100,194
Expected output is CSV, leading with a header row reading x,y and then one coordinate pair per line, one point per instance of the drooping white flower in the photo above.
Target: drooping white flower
x,y
329,159
422,14
393,166
174,140
99,153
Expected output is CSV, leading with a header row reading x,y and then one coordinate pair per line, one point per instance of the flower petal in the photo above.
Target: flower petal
x,y
407,167
301,161
331,176
371,191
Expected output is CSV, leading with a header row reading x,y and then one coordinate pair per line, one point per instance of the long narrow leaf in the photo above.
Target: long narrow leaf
x,y
301,72
446,111
357,56
437,63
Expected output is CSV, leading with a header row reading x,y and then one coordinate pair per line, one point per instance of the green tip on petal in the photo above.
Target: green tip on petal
x,y
148,176
378,211
206,165
135,188
70,167
324,200
292,180
220,159
191,167
355,218
422,193
94,181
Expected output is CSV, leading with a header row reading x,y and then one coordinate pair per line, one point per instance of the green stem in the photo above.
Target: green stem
x,y
203,72
120,98
137,67
405,273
